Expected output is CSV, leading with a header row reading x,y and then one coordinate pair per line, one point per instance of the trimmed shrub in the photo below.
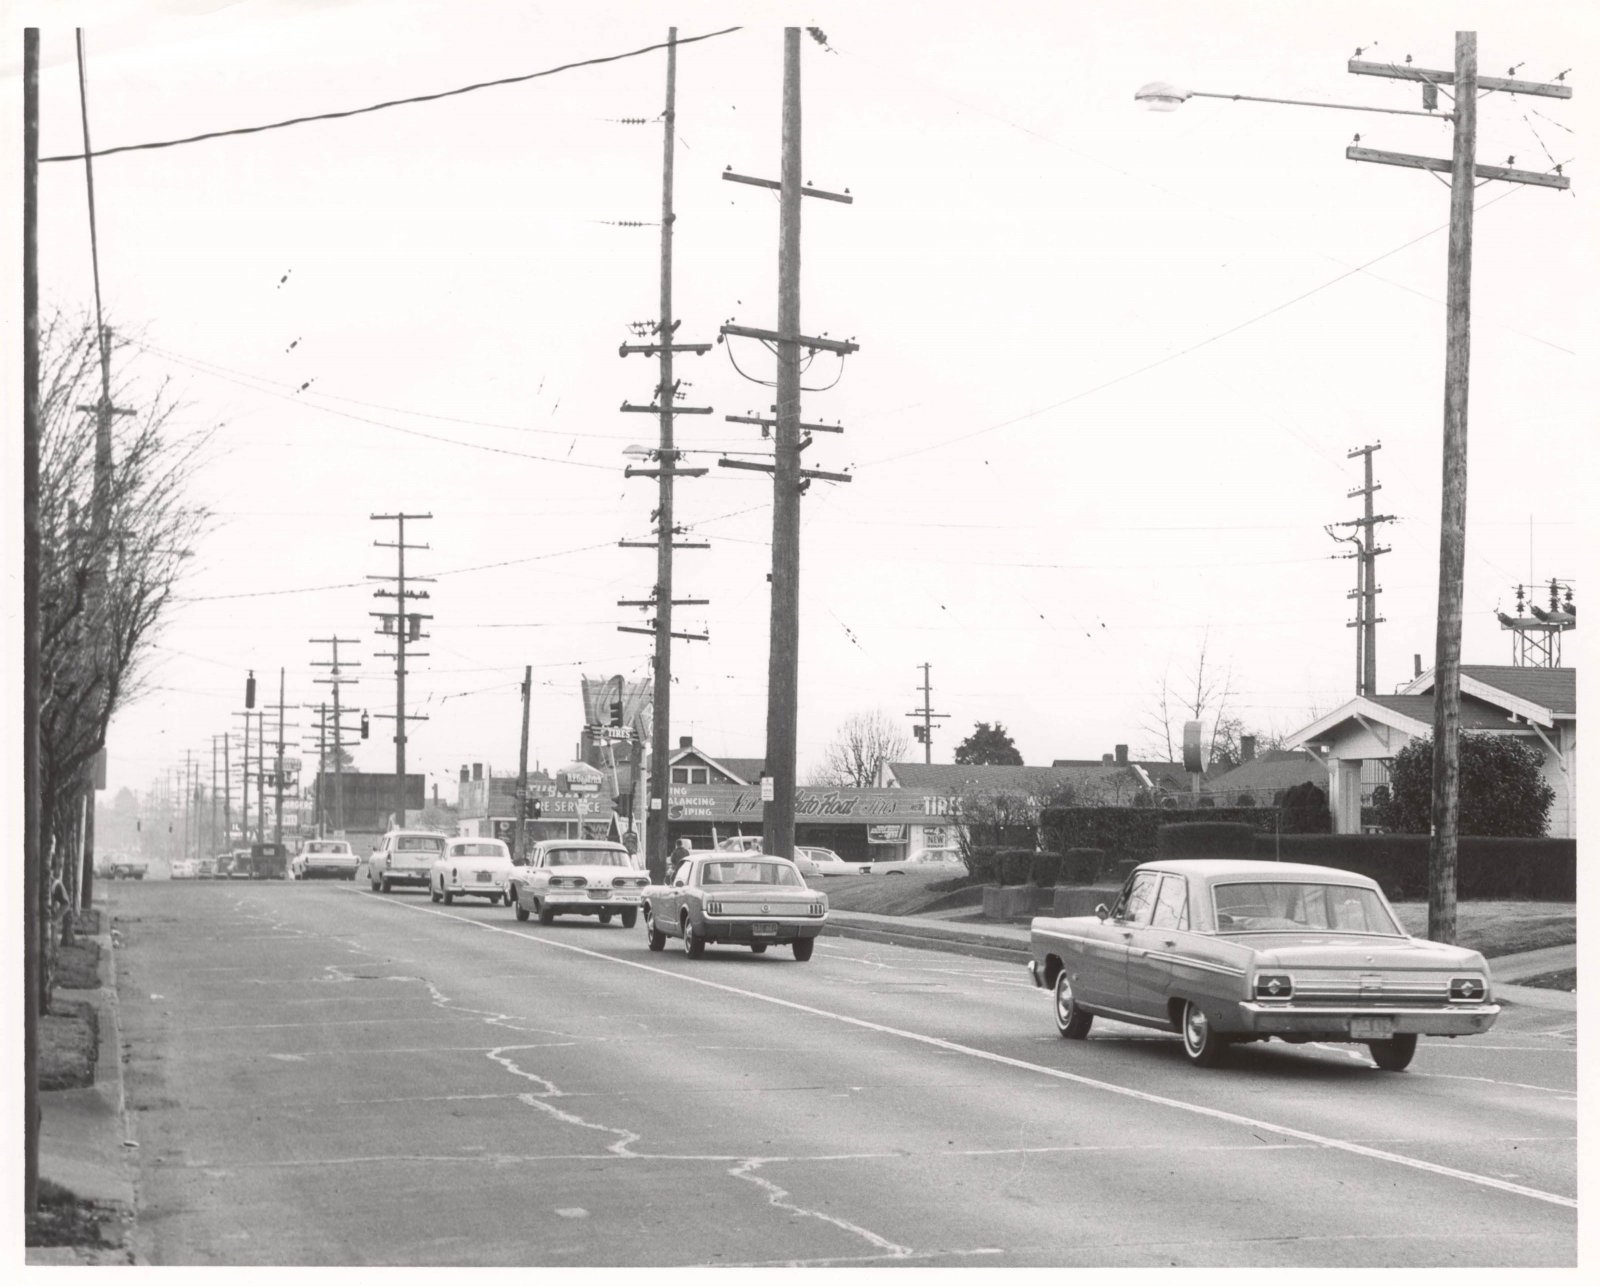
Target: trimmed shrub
x,y
1502,790
1080,866
1132,832
1486,866
1206,839
1305,810
1016,865
1045,869
983,865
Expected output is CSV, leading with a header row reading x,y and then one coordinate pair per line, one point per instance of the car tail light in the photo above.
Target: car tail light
x,y
713,908
1274,986
817,908
1468,990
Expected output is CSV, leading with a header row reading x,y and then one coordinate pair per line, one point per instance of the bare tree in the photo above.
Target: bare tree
x,y
103,586
864,743
1203,693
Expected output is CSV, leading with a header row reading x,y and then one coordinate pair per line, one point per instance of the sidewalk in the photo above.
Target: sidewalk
x,y
83,1133
1009,942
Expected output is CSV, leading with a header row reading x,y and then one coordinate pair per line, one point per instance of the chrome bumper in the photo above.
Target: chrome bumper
x,y
1333,1021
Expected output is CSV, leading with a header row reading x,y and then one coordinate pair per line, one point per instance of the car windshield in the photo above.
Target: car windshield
x,y
419,843
1263,907
780,873
478,850
586,857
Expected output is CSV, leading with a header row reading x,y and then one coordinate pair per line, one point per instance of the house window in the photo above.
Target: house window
x,y
698,776
680,776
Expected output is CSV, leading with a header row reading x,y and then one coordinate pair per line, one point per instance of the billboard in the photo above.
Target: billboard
x,y
369,798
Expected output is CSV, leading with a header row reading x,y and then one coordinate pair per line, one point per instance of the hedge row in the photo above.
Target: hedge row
x,y
1122,832
1486,867
1025,866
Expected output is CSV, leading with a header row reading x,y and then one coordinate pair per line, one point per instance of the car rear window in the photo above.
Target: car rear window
x,y
478,850
586,857
419,843
1266,907
779,873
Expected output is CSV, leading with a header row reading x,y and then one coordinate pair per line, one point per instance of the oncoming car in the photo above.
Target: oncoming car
x,y
577,877
820,861
332,858
1224,952
471,868
738,898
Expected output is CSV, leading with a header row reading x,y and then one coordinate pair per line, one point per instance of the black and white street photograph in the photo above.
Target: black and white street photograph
x,y
663,638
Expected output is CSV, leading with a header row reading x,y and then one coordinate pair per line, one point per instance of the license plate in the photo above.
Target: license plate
x,y
599,893
764,930
1371,1028
484,877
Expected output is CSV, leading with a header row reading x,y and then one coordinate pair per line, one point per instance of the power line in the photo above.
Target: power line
x,y
393,102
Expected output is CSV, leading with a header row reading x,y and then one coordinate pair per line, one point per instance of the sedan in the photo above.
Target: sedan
x,y
1224,952
330,858
577,877
741,899
183,868
476,868
931,862
821,861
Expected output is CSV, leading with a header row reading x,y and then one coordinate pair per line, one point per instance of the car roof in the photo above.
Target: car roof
x,y
581,843
1215,868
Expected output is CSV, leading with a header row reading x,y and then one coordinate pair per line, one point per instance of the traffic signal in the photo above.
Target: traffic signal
x,y
616,712
250,691
535,810
364,725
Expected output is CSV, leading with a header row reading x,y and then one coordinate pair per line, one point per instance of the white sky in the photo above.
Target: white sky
x,y
1037,511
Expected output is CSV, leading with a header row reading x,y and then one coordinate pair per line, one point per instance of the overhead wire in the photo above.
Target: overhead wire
x,y
393,102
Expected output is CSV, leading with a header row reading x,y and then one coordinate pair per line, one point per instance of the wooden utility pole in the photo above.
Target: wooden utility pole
x,y
407,629
32,849
1464,171
227,793
789,479
518,845
336,678
924,730
213,797
277,803
1365,593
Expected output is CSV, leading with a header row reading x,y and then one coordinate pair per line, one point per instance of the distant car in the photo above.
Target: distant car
x,y
1232,951
932,862
577,877
124,870
740,844
183,868
240,867
471,868
744,899
821,861
206,868
404,857
332,859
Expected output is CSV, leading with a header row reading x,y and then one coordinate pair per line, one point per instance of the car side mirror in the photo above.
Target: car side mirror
x,y
1102,912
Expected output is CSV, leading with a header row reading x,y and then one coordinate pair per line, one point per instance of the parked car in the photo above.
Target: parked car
x,y
183,868
1224,952
206,868
471,868
744,899
820,861
332,859
269,861
740,844
931,862
404,857
126,870
240,867
578,877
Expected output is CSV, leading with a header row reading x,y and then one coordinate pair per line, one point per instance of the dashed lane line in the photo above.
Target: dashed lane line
x,y
989,1056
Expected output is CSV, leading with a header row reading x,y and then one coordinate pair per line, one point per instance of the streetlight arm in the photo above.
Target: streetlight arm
x,y
1160,96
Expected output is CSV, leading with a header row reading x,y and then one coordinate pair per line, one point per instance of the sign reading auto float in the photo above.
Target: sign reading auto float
x,y
867,805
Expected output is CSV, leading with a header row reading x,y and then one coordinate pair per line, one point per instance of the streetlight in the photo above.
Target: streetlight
x,y
1163,96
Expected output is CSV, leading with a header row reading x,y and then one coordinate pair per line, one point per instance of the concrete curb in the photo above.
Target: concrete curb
x,y
83,1133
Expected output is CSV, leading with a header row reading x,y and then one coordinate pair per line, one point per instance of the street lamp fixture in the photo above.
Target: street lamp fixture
x,y
1163,96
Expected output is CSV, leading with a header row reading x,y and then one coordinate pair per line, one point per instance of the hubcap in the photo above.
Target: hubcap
x,y
1063,1000
1194,1027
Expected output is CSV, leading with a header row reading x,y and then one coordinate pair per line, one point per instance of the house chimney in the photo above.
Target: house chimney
x,y
477,772
1106,760
465,775
1416,665
436,794
1122,756
685,743
1247,749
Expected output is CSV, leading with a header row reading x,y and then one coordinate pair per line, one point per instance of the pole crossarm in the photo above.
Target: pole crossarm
x,y
769,468
652,631
844,198
1405,159
652,544
652,602
633,471
673,410
650,350
805,341
768,424
1392,71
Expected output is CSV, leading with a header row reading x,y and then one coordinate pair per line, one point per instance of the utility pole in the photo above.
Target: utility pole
x,y
322,768
227,794
277,805
407,629
659,337
1464,171
336,678
213,796
32,849
1367,588
518,845
788,478
188,798
924,731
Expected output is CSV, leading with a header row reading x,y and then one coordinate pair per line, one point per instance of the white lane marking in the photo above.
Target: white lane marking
x,y
1516,1085
746,1170
988,1056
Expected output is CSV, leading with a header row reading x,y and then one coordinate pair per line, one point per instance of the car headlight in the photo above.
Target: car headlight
x,y
1468,990
1274,986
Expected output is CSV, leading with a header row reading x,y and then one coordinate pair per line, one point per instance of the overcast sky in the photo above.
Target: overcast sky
x,y
1111,361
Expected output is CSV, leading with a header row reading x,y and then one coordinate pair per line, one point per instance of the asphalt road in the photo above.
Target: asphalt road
x,y
322,1075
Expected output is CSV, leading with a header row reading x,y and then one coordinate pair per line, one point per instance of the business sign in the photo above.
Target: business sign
x,y
599,696
887,834
868,805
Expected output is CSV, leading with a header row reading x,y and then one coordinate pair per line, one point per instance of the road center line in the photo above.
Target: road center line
x,y
937,1042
